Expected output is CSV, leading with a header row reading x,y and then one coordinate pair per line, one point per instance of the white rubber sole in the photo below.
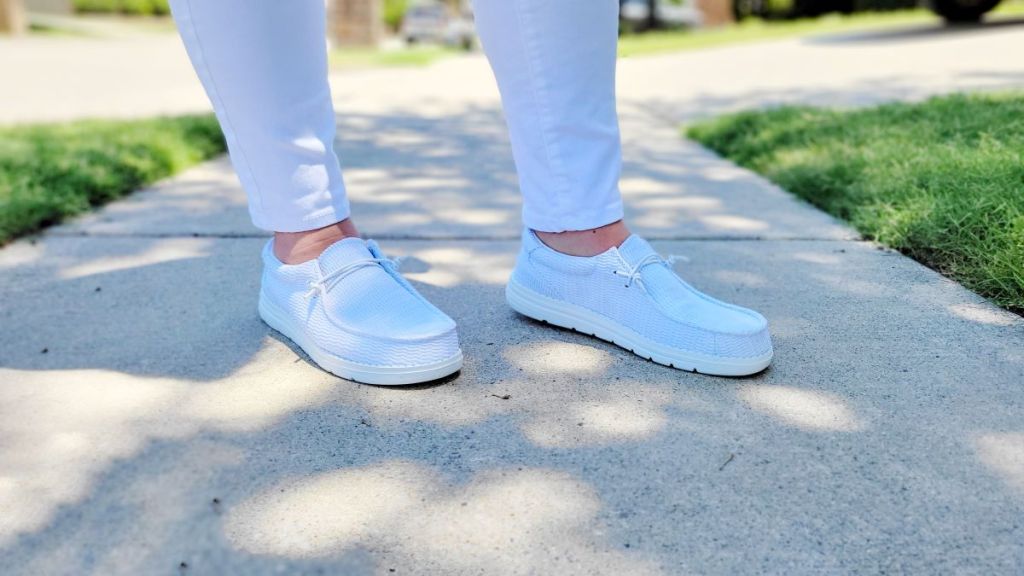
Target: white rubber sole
x,y
539,307
362,373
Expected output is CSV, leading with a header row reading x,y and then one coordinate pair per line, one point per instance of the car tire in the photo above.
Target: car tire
x,y
962,11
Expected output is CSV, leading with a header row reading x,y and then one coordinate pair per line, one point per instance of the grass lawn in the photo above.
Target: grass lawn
x,y
754,29
942,181
422,55
49,172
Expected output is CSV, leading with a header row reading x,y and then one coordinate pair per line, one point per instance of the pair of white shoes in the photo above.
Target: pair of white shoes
x,y
357,317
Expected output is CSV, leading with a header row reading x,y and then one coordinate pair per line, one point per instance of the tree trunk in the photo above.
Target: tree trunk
x,y
652,15
12,17
354,22
716,12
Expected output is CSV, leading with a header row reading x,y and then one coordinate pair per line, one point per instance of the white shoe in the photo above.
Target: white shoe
x,y
356,317
630,296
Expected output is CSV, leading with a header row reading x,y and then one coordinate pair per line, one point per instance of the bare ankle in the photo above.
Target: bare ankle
x,y
299,247
586,242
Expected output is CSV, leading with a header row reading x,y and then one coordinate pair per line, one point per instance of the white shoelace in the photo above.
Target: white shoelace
x,y
632,273
328,281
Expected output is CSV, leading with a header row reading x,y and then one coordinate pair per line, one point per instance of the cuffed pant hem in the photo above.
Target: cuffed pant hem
x,y
318,219
580,220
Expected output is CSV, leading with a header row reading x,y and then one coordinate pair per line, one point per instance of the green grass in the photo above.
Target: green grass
x,y
753,30
47,29
130,7
414,56
50,172
942,181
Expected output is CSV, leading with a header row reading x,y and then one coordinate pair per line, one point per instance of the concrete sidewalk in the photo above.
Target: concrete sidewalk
x,y
150,423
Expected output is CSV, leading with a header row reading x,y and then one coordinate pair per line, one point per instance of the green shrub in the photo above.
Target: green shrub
x,y
95,6
130,7
394,13
53,171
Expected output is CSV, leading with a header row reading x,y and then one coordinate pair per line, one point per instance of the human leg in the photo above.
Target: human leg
x,y
579,266
263,64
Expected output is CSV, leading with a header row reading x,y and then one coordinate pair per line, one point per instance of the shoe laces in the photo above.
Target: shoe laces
x,y
328,281
632,273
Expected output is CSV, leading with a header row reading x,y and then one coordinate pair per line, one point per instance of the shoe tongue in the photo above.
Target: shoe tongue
x,y
343,252
659,281
635,249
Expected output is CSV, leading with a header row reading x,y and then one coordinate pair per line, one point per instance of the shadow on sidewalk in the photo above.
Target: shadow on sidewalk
x,y
156,425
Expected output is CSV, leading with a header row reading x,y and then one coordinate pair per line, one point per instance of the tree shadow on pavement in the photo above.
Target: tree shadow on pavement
x,y
229,452
166,428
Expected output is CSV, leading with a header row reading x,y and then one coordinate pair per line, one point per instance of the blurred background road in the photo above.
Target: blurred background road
x,y
124,70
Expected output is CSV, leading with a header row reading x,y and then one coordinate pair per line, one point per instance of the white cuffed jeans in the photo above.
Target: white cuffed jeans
x,y
263,64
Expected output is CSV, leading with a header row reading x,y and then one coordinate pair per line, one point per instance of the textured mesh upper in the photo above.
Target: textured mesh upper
x,y
658,305
371,316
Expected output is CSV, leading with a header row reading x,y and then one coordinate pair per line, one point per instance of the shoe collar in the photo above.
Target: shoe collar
x,y
344,252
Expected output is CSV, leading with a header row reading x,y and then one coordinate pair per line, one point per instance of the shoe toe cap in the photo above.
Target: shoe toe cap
x,y
414,340
428,349
742,333
421,345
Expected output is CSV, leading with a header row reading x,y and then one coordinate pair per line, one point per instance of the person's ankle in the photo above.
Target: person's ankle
x,y
586,242
299,247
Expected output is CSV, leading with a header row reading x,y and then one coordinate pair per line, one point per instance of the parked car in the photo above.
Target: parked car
x,y
645,14
433,22
962,10
951,10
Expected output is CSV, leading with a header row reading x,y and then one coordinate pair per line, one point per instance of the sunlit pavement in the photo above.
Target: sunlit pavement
x,y
150,423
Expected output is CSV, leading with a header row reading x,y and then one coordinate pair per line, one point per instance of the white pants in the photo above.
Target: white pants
x,y
263,64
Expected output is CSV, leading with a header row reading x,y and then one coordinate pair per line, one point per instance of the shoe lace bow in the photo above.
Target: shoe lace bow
x,y
632,273
329,280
